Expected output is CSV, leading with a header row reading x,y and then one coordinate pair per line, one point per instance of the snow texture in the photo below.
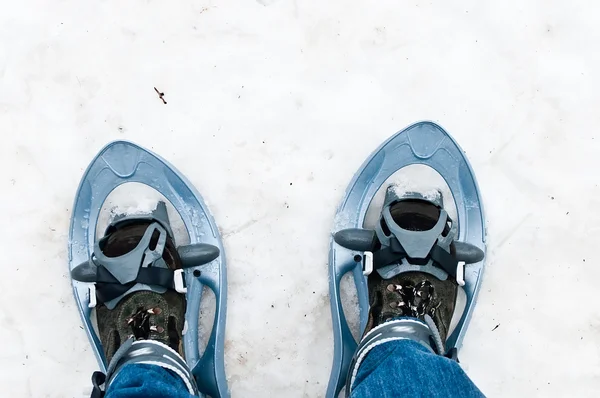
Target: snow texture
x,y
271,108
136,198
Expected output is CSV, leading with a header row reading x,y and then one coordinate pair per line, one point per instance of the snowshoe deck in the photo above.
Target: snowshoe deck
x,y
421,143
123,162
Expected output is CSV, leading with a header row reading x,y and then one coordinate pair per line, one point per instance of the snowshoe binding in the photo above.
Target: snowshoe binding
x,y
409,271
145,289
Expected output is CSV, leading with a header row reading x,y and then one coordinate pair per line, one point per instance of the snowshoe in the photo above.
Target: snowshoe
x,y
143,289
409,271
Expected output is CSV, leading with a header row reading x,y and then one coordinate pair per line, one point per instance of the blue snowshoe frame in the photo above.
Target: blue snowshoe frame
x,y
121,162
421,143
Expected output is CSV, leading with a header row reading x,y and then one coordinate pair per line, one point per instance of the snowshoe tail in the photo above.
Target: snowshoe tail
x,y
423,143
203,259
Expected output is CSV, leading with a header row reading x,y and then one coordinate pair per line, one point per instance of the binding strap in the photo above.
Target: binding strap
x,y
108,287
395,252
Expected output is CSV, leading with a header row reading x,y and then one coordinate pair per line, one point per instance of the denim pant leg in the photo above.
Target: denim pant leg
x,y
146,381
404,368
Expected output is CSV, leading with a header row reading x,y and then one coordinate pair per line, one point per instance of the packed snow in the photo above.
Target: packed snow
x,y
271,106
132,199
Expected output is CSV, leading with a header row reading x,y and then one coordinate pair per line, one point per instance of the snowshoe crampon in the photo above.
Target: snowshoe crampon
x,y
440,249
137,254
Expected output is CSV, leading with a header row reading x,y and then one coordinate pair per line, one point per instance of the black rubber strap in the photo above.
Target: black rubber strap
x,y
108,287
388,254
108,291
98,379
444,260
148,275
452,354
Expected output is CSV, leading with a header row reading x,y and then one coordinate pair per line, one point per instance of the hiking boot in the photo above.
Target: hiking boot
x,y
143,314
406,292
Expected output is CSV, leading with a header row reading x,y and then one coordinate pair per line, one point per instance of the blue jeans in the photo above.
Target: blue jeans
x,y
402,368
147,381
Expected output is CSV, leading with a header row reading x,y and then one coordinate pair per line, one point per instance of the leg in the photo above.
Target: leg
x,y
414,308
145,368
148,381
407,368
141,322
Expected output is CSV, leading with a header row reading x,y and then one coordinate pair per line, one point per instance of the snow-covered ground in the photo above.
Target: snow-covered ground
x,y
271,107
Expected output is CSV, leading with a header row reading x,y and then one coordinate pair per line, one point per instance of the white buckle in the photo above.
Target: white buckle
x,y
368,263
179,281
460,273
92,293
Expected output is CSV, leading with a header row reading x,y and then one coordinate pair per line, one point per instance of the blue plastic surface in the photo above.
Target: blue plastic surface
x,y
422,143
122,162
